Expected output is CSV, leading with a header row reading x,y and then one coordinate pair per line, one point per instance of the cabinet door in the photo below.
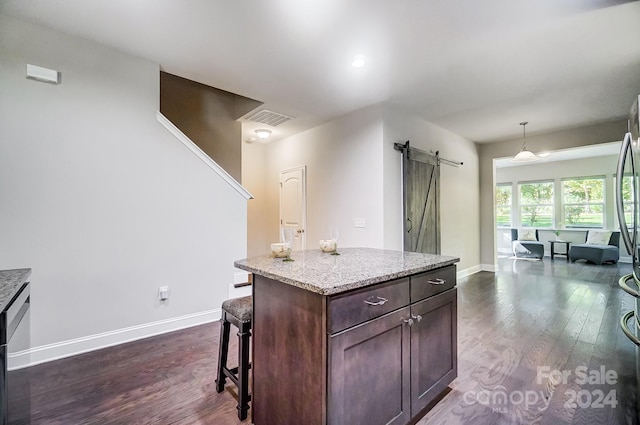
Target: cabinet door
x,y
434,348
369,372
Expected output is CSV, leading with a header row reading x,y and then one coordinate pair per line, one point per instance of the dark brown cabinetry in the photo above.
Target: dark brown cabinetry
x,y
408,355
433,282
371,359
434,348
377,355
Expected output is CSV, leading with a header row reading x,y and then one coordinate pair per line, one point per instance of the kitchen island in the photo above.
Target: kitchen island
x,y
364,337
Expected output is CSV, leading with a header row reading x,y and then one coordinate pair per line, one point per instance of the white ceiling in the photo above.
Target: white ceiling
x,y
475,68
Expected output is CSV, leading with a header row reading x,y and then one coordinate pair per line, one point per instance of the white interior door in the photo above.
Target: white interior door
x,y
293,203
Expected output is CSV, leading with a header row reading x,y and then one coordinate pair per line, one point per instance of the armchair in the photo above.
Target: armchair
x,y
526,247
597,251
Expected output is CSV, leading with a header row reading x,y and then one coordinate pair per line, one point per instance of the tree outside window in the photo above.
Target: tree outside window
x,y
536,204
627,199
583,202
503,205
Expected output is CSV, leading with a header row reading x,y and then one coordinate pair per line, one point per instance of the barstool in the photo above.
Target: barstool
x,y
239,312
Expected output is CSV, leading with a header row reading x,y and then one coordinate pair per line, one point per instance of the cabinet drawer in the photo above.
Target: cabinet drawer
x,y
356,307
432,282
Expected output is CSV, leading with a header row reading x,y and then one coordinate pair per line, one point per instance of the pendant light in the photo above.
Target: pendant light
x,y
524,155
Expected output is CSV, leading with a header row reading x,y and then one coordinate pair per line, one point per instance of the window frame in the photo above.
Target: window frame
x,y
510,206
550,205
602,204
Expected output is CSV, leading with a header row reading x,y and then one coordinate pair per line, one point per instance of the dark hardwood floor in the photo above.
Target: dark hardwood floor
x,y
166,379
528,316
532,315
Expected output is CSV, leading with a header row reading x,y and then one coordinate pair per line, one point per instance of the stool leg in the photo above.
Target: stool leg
x,y
244,333
222,353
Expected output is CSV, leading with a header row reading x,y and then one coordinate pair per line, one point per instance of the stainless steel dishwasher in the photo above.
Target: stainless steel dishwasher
x,y
15,403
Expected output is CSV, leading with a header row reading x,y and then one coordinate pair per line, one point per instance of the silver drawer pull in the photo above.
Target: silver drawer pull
x,y
408,321
417,318
380,301
437,281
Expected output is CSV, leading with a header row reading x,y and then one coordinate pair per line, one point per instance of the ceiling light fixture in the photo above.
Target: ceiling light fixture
x,y
263,133
358,62
524,155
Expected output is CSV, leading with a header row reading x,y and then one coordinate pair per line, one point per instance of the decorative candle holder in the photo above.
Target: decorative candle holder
x,y
328,245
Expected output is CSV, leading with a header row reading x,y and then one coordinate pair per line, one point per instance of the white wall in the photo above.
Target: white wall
x,y
254,171
459,197
353,171
344,179
102,202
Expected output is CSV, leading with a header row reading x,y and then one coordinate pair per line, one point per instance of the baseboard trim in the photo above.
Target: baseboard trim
x,y
493,268
72,347
468,272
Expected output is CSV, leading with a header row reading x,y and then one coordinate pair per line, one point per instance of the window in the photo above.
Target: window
x,y
536,204
583,202
503,205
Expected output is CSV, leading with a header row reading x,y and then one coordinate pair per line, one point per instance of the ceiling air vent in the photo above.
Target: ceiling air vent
x,y
267,117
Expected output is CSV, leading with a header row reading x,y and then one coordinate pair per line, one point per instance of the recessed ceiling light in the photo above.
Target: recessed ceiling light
x,y
358,62
263,133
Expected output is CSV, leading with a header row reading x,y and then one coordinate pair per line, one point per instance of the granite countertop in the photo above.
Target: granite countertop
x,y
10,282
354,268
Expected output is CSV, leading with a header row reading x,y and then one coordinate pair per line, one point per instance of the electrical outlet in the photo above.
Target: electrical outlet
x,y
359,222
163,293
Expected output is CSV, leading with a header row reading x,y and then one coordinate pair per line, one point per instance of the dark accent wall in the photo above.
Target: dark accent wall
x,y
208,117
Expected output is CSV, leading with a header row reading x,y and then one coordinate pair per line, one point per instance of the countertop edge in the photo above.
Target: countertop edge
x,y
350,286
10,283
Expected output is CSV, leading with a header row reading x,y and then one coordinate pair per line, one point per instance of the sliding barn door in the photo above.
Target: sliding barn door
x,y
421,186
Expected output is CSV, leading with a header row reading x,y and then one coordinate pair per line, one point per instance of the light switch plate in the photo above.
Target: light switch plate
x,y
163,293
359,222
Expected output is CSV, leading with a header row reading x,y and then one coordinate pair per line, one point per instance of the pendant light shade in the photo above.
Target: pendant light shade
x,y
524,155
